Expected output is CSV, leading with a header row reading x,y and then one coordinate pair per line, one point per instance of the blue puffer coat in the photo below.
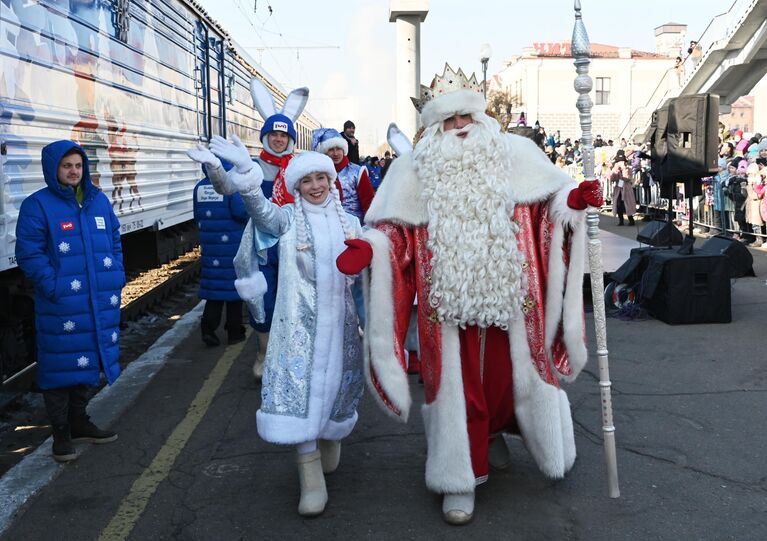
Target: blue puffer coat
x,y
73,256
221,220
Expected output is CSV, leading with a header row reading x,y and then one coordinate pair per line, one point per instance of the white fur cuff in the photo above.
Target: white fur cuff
x,y
246,182
251,287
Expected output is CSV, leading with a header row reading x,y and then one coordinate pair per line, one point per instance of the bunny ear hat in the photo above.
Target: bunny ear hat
x,y
398,140
278,120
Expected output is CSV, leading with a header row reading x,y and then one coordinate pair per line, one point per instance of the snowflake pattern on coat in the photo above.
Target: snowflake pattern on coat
x,y
113,300
64,247
107,262
69,325
83,362
76,285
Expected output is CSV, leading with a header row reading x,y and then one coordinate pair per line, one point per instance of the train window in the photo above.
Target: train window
x,y
121,19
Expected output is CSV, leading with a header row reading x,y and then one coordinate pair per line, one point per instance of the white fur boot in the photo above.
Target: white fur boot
x,y
498,453
458,509
258,366
331,455
314,495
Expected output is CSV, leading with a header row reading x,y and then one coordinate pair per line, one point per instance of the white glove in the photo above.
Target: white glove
x,y
234,152
203,156
251,287
245,182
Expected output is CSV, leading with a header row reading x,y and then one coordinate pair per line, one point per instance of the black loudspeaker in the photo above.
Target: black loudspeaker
x,y
741,262
657,138
682,289
660,233
692,144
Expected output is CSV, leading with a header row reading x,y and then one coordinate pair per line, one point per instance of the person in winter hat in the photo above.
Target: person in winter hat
x,y
623,198
491,237
68,245
312,379
221,220
354,179
278,137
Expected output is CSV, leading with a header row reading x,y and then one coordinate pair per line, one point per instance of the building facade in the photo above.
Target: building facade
x,y
540,82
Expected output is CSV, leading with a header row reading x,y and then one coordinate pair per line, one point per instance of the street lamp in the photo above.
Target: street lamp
x,y
484,57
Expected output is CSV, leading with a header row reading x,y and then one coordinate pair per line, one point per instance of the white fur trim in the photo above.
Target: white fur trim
x,y
573,324
334,142
448,458
458,102
379,335
564,296
561,213
535,177
251,288
399,199
287,430
305,163
542,410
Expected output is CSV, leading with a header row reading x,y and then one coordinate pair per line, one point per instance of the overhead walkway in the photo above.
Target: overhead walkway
x,y
733,60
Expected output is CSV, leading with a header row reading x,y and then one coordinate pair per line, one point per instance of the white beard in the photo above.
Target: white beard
x,y
477,276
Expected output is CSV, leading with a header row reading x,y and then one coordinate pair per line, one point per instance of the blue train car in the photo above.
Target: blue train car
x,y
136,82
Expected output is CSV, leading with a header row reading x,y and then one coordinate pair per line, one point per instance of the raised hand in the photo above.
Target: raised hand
x,y
203,156
234,152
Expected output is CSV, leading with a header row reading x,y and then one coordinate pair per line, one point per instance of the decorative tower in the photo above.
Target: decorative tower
x,y
408,14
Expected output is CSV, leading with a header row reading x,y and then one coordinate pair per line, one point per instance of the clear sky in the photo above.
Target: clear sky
x,y
353,78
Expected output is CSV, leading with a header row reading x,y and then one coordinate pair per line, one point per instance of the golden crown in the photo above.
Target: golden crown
x,y
449,81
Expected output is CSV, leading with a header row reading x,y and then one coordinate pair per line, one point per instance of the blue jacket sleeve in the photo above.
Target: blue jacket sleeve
x,y
32,253
237,208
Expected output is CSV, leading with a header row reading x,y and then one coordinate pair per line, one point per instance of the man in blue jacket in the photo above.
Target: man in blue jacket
x,y
68,245
221,220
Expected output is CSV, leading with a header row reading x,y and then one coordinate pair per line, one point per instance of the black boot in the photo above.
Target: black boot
x,y
631,220
84,431
80,426
620,219
210,338
62,450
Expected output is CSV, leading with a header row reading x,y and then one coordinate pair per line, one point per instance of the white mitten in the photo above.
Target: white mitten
x,y
234,152
203,156
251,287
245,182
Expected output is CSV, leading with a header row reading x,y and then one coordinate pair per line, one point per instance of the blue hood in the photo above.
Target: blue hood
x,y
51,156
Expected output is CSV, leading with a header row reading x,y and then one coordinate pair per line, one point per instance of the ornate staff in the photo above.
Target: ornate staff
x,y
581,49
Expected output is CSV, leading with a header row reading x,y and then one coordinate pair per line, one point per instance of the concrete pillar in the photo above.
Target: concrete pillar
x,y
408,15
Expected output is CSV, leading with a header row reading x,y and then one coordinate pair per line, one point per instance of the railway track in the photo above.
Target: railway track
x,y
146,289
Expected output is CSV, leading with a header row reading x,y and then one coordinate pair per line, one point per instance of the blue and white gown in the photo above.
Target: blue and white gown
x,y
313,377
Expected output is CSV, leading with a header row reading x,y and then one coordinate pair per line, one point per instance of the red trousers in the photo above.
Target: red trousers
x,y
489,399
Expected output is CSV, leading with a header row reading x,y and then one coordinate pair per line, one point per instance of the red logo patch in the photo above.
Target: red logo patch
x,y
67,226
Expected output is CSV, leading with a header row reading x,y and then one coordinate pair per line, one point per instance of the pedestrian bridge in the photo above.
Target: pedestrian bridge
x,y
733,60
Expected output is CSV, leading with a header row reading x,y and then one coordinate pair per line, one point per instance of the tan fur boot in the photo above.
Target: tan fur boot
x,y
258,366
458,509
314,495
331,455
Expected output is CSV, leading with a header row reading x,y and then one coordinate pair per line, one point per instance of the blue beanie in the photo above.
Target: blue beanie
x,y
278,122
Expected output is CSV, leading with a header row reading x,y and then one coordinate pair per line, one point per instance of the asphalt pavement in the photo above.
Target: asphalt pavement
x,y
689,405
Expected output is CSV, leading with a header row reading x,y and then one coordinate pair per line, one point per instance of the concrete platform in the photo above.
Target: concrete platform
x,y
689,414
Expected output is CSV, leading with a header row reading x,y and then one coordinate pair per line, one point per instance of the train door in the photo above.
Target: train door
x,y
201,78
216,62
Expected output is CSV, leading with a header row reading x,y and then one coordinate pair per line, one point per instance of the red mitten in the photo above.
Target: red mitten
x,y
588,192
356,257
